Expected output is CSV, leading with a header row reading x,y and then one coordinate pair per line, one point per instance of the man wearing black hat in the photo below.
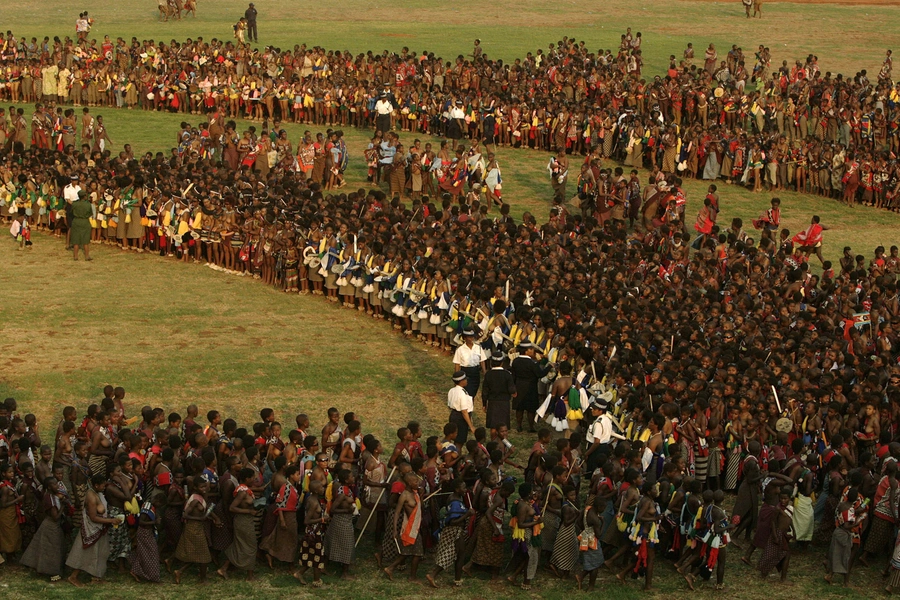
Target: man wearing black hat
x,y
469,358
461,406
599,435
496,393
526,373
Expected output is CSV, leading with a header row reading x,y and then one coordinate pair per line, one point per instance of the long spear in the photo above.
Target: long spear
x,y
777,402
572,468
372,512
438,492
411,219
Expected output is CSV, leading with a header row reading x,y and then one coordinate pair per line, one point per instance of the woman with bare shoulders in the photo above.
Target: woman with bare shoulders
x,y
91,547
101,445
242,552
281,543
312,549
192,546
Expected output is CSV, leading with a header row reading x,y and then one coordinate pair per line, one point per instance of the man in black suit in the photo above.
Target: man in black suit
x,y
526,373
250,15
497,390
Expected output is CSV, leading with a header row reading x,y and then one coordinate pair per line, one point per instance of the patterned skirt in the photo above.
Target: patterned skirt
x,y
312,548
119,540
242,551
534,555
714,464
773,554
79,492
701,464
221,538
97,463
894,580
281,544
29,528
339,540
446,554
488,553
192,546
145,558
258,518
415,549
881,536
733,464
67,478
607,145
173,525
565,549
389,549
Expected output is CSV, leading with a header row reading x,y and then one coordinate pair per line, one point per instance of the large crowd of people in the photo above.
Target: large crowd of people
x,y
627,480
725,116
660,365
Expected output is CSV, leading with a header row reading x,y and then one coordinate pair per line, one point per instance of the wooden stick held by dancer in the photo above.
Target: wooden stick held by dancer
x,y
433,494
377,502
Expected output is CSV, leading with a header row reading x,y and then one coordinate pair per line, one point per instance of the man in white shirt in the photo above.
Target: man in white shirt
x,y
469,358
383,110
599,435
461,406
70,192
456,111
70,195
457,123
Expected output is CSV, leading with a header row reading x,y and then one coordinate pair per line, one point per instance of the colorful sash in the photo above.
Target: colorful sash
x,y
411,524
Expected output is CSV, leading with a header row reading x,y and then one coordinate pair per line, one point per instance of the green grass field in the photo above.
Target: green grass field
x,y
173,334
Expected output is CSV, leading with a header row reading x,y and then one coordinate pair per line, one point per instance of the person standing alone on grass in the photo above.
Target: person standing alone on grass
x,y
250,15
81,225
70,195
